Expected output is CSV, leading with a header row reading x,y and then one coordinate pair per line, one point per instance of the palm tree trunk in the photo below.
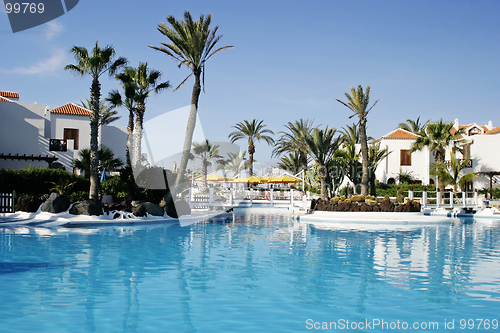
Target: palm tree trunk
x,y
138,135
188,141
440,159
364,156
95,93
303,160
251,151
204,175
130,129
322,177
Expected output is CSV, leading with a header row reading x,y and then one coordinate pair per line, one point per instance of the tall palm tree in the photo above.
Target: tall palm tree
x,y
252,131
115,98
452,173
438,137
375,156
293,140
358,102
413,126
101,61
206,153
348,157
138,83
291,162
192,44
322,146
107,113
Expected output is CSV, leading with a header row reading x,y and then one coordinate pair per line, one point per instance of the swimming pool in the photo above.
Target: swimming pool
x,y
250,273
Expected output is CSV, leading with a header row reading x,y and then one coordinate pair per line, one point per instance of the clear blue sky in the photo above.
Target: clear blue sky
x,y
292,59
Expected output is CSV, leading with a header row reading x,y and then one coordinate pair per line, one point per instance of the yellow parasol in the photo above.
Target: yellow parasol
x,y
213,178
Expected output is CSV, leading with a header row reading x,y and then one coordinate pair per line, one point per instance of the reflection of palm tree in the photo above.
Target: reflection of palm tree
x,y
100,62
252,131
192,44
358,102
293,141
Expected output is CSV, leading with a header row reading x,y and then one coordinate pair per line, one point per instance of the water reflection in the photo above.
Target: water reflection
x,y
251,266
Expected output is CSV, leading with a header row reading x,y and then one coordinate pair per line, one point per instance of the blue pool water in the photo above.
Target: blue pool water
x,y
250,273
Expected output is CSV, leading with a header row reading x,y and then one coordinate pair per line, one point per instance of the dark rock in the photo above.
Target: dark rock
x,y
28,204
386,206
153,209
139,210
313,204
344,207
115,206
86,207
376,208
117,216
56,203
364,207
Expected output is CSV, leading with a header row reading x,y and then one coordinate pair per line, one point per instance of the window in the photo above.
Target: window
x,y
467,150
474,131
71,134
405,157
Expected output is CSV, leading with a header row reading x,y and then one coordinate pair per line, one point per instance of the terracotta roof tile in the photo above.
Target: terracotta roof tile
x,y
400,133
9,94
3,99
72,109
495,130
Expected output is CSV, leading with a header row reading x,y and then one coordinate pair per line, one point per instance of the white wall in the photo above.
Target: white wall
x,y
115,138
485,157
391,165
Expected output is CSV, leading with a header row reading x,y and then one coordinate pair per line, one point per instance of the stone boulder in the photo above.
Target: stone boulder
x,y
56,203
86,207
139,210
28,204
179,208
153,209
386,206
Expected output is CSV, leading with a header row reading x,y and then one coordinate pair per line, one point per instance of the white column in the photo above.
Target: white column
x,y
452,194
464,199
272,195
438,198
231,194
424,197
291,197
251,196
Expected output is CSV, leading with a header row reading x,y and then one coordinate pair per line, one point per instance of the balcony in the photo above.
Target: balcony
x,y
447,163
58,145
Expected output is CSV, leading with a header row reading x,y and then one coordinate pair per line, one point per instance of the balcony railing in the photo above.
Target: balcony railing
x,y
58,145
447,163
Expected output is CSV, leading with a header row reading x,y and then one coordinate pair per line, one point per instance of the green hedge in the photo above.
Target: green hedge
x,y
37,181
392,189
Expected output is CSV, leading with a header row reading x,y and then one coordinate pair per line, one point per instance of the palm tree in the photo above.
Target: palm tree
x,y
138,83
192,44
451,174
205,152
413,126
322,146
235,163
437,137
294,140
348,157
358,103
375,156
99,62
115,98
291,162
107,113
107,160
252,131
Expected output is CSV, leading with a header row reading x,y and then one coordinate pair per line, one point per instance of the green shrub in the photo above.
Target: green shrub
x,y
39,181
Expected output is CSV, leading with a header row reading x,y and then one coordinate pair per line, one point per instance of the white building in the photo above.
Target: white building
x,y
31,134
481,145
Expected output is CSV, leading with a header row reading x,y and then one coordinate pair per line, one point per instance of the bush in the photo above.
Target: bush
x,y
392,189
39,181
